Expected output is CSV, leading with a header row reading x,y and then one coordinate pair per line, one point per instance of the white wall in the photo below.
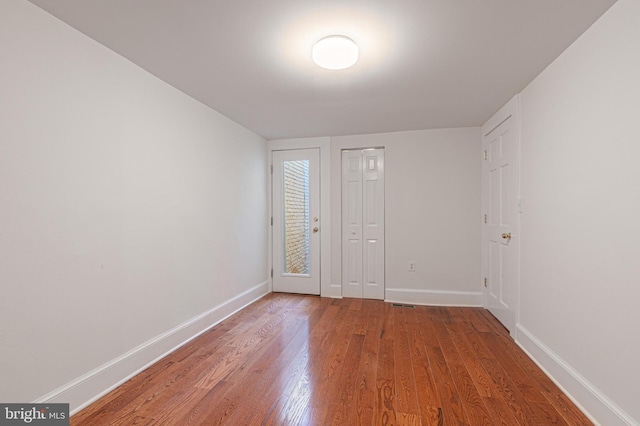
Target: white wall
x,y
580,283
127,209
432,213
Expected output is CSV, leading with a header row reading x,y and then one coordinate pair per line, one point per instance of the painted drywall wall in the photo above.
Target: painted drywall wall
x,y
432,213
580,268
126,207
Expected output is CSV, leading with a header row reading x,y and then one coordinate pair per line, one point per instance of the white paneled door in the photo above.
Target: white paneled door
x,y
363,224
500,186
296,221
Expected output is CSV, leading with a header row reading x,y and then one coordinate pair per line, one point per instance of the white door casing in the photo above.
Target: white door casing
x,y
363,224
501,206
288,276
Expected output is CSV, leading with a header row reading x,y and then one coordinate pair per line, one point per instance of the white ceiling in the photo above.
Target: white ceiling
x,y
423,63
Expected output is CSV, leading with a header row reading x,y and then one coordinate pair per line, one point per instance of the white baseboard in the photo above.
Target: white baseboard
x,y
595,405
433,297
89,387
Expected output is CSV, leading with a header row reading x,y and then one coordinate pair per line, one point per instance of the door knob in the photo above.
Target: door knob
x,y
507,236
315,229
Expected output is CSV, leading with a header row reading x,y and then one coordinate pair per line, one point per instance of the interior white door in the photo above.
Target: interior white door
x,y
363,224
296,221
352,223
500,171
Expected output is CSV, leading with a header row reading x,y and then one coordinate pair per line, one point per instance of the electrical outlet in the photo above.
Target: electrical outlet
x,y
412,266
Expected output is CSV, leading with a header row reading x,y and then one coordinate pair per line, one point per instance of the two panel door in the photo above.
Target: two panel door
x,y
363,224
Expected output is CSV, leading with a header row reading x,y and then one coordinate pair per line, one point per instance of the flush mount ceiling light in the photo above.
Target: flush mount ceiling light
x,y
335,52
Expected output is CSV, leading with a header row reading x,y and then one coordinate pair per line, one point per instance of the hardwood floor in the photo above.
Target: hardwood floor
x,y
305,360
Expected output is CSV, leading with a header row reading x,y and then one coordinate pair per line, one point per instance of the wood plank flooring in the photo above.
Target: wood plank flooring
x,y
305,360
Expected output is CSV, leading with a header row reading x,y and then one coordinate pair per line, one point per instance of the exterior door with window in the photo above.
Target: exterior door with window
x,y
296,221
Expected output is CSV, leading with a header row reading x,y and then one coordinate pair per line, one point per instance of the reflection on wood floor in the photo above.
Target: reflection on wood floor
x,y
305,360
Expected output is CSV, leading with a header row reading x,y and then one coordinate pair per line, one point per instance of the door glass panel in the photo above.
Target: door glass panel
x,y
296,217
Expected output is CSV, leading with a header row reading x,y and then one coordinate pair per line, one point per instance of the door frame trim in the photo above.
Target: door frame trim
x,y
510,109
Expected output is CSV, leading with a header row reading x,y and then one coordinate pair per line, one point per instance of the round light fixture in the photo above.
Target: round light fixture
x,y
335,52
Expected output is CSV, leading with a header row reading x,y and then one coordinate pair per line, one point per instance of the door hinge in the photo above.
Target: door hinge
x,y
271,168
485,219
484,155
272,221
485,280
271,272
